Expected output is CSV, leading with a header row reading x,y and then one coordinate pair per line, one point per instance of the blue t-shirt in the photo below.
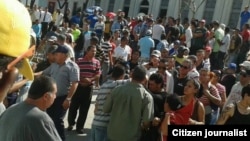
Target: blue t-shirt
x,y
93,19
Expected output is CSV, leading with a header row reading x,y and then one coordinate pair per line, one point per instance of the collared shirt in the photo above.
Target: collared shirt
x,y
46,17
101,118
64,75
128,105
88,68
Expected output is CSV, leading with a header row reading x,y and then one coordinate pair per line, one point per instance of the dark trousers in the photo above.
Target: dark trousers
x,y
81,100
221,56
57,113
45,26
156,42
214,61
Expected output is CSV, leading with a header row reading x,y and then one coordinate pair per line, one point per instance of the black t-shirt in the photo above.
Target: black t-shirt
x,y
179,84
132,65
238,118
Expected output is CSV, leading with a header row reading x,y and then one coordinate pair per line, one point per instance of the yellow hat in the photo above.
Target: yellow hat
x,y
15,25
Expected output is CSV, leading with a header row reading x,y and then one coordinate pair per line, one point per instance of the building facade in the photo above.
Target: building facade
x,y
225,11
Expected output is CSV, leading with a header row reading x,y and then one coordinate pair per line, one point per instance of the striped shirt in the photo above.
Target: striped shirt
x,y
101,118
213,91
88,68
99,53
106,47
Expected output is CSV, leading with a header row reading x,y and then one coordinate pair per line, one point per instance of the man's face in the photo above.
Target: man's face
x,y
92,52
154,87
49,100
184,68
135,56
51,57
60,57
162,68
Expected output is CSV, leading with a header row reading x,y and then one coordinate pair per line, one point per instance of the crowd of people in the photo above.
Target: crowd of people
x,y
150,72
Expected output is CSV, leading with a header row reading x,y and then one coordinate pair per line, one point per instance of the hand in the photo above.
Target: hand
x,y
156,121
66,104
6,81
191,122
86,80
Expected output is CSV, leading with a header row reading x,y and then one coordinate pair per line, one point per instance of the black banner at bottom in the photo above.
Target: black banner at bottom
x,y
208,132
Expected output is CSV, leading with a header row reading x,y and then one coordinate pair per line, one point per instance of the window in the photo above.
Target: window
x,y
126,7
144,7
74,8
97,2
111,5
209,10
164,8
235,13
184,8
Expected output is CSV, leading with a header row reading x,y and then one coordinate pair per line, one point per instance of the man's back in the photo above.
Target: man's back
x,y
129,105
23,122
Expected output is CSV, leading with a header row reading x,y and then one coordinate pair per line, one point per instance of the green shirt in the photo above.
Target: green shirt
x,y
218,35
129,105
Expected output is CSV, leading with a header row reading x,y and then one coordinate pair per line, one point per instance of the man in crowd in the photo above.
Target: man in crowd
x,y
66,74
29,116
119,103
90,72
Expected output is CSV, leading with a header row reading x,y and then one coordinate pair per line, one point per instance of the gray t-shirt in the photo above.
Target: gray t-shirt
x,y
25,122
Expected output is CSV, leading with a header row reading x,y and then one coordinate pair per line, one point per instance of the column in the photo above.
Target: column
x,y
173,8
226,11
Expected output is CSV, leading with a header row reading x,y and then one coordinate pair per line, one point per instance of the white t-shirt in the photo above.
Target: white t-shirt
x,y
188,36
157,30
122,53
226,43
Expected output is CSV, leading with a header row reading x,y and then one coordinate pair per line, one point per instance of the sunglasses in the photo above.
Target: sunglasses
x,y
26,54
184,67
164,68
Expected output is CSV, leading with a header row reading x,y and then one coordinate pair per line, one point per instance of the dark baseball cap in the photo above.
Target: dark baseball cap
x,y
61,49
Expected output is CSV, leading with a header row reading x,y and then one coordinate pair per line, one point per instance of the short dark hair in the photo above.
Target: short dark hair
x,y
136,50
118,71
139,73
157,78
89,47
61,37
40,86
107,36
94,39
245,90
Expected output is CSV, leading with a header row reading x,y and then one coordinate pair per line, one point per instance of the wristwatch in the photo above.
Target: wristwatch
x,y
68,99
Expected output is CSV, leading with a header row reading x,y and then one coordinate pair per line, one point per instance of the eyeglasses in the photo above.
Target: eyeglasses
x,y
184,67
164,68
